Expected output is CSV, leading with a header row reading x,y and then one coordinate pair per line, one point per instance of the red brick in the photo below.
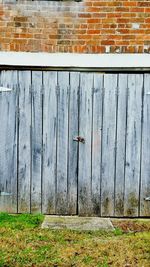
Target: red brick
x,y
84,15
107,42
128,3
85,27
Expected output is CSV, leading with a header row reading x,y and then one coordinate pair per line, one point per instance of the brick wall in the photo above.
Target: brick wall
x,y
89,26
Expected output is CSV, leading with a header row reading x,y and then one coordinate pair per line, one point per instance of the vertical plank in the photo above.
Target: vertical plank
x,y
133,144
73,146
8,142
62,144
120,145
49,142
36,141
96,142
24,168
145,164
108,145
85,127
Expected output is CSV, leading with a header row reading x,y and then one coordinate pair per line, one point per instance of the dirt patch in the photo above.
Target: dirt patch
x,y
132,225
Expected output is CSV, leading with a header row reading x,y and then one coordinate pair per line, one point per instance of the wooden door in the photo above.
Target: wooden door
x,y
60,153
114,169
75,143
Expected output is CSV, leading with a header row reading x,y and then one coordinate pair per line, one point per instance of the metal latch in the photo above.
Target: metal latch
x,y
5,89
79,139
5,194
147,198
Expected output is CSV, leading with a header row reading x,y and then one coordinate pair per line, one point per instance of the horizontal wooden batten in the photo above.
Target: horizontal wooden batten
x,y
90,62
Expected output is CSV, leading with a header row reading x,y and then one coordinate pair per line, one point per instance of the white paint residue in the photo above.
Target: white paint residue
x,y
107,49
135,26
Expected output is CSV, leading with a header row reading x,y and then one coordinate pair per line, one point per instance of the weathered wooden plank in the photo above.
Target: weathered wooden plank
x,y
24,168
108,145
8,142
49,142
62,143
85,126
133,144
96,143
73,146
120,144
145,164
36,141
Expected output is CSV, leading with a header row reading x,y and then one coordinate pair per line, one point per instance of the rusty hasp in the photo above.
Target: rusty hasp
x,y
79,139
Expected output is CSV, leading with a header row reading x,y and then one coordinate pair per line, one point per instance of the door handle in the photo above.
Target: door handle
x,y
79,139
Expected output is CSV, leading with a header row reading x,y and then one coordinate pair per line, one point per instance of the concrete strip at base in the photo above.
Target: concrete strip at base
x,y
77,223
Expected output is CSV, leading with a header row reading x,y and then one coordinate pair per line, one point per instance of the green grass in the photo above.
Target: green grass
x,y
118,231
24,244
20,221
